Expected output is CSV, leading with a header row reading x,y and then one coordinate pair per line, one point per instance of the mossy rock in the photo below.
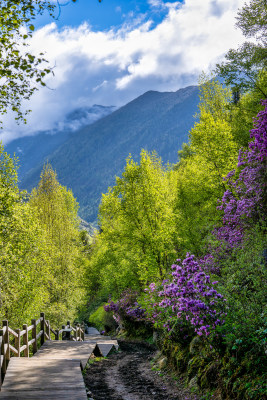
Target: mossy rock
x,y
209,377
193,383
195,366
177,354
195,344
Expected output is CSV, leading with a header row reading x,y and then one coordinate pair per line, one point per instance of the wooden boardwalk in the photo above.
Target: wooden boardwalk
x,y
54,372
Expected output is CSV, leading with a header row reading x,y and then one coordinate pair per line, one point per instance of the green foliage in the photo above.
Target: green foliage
x,y
204,162
42,258
23,254
244,285
103,320
242,113
21,72
136,242
244,66
56,210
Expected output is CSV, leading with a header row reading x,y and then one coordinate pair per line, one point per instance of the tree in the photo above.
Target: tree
x,y
204,163
137,239
24,260
245,67
21,73
56,210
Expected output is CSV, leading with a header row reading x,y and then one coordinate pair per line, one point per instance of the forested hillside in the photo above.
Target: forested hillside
x,y
90,158
34,150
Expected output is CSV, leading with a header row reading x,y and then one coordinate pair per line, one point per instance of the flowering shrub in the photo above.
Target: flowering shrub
x,y
245,201
188,300
126,307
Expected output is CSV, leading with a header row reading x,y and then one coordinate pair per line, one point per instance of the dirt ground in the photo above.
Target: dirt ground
x,y
127,375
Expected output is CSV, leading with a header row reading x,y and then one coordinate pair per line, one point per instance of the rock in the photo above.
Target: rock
x,y
162,362
157,356
194,345
193,383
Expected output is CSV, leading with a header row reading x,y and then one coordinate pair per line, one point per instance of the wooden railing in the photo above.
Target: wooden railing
x,y
28,340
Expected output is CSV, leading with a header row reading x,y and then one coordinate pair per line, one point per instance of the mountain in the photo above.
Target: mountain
x,y
90,158
33,150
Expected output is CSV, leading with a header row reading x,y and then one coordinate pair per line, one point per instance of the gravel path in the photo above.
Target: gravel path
x,y
127,375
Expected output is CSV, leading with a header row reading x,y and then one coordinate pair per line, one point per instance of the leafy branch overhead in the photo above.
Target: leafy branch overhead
x,y
21,72
245,67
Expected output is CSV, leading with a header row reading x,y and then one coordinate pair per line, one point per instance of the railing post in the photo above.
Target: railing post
x,y
42,315
79,331
6,339
2,356
63,335
34,336
75,332
26,340
82,332
48,330
68,324
17,342
57,334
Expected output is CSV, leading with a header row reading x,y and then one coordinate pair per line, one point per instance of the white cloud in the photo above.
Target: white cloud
x,y
115,66
118,9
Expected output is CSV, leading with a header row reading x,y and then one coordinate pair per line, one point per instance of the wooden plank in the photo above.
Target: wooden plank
x,y
13,349
62,350
31,342
3,330
106,348
30,328
69,394
49,379
93,331
54,372
13,332
39,334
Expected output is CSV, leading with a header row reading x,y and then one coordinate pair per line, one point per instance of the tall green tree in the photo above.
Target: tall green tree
x,y
24,260
204,162
137,239
56,210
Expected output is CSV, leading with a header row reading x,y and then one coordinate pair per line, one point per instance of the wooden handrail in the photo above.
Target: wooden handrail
x,y
12,332
30,328
53,331
41,333
15,349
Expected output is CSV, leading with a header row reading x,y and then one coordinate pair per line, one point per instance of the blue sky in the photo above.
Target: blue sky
x,y
111,52
104,15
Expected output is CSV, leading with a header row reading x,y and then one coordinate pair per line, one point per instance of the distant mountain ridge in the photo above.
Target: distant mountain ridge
x,y
33,150
90,158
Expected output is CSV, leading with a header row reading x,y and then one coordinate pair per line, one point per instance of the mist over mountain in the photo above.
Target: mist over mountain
x,y
89,159
33,150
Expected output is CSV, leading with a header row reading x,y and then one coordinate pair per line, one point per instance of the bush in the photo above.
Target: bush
x,y
103,320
